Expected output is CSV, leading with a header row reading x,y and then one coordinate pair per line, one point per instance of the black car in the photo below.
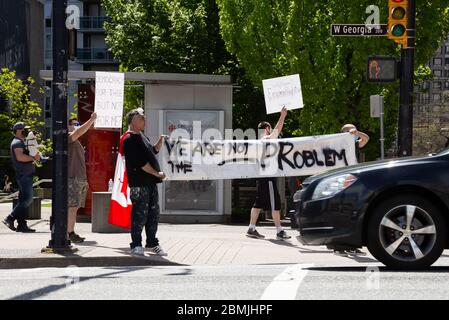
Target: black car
x,y
397,208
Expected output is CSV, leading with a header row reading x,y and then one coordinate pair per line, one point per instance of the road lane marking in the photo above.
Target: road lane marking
x,y
285,285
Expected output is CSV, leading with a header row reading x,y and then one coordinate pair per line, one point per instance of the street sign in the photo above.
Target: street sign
x,y
377,111
382,69
358,30
377,105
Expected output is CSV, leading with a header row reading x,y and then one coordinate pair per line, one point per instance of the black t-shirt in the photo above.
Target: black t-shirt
x,y
138,152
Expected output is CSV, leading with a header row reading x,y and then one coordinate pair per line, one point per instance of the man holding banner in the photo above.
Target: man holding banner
x,y
143,175
267,196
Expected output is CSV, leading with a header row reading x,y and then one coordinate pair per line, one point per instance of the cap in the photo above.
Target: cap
x,y
134,112
20,126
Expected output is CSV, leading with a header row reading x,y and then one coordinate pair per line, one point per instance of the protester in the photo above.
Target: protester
x,y
77,177
267,196
24,168
144,174
361,139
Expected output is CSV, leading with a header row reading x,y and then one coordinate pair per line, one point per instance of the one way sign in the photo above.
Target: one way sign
x,y
358,30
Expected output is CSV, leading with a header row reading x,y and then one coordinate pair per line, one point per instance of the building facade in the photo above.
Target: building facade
x,y
431,111
21,49
90,52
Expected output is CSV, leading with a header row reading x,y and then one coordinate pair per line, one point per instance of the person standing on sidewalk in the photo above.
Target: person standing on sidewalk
x,y
267,196
77,177
24,168
144,174
360,139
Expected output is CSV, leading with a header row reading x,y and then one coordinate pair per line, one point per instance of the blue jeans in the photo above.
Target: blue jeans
x,y
25,199
145,213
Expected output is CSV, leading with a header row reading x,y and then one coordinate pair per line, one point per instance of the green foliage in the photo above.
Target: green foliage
x,y
181,36
166,36
16,93
279,37
21,108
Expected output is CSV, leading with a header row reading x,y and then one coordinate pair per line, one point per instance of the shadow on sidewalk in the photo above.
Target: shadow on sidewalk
x,y
72,281
282,243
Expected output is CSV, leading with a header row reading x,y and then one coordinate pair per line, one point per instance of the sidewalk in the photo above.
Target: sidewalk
x,y
198,244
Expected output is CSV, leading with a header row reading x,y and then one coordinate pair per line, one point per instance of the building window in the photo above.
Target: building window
x,y
437,85
437,61
437,73
436,97
47,23
446,85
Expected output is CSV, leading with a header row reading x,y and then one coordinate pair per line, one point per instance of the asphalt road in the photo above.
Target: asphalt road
x,y
301,282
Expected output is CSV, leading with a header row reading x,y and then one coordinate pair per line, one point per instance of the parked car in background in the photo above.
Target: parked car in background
x,y
398,209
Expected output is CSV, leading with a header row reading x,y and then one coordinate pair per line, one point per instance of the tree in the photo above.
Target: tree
x,y
279,37
181,36
18,106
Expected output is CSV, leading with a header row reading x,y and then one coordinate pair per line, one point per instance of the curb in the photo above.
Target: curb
x,y
62,262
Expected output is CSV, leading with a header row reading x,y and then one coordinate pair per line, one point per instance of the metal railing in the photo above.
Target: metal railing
x,y
93,23
92,54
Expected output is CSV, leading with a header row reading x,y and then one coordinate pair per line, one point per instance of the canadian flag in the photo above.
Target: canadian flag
x,y
121,205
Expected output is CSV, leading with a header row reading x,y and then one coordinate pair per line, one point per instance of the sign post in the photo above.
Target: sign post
x,y
377,111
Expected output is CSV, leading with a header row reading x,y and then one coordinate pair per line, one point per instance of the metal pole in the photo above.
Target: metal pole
x,y
405,125
59,242
382,138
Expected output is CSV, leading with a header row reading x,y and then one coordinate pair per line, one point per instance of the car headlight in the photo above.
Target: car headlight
x,y
331,186
297,196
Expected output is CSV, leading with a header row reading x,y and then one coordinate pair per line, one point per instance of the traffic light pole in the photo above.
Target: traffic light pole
x,y
58,223
405,125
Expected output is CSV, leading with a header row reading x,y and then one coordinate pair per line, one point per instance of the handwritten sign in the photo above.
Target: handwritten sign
x,y
240,159
283,91
109,93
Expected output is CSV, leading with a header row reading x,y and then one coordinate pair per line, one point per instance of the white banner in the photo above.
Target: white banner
x,y
283,91
239,159
109,93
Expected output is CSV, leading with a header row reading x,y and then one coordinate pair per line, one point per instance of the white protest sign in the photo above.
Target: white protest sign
x,y
283,91
109,93
240,159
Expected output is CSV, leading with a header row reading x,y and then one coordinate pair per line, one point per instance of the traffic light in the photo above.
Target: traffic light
x,y
382,69
398,21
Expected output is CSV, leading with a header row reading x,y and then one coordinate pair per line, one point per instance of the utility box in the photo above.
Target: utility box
x,y
34,210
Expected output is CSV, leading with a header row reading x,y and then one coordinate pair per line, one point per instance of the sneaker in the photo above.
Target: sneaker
x,y
24,229
356,252
282,235
157,250
73,237
341,253
254,234
138,251
9,224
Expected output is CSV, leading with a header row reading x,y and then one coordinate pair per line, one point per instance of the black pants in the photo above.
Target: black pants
x,y
267,196
145,213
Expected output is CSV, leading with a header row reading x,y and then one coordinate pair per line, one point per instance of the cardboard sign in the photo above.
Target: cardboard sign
x,y
109,94
283,91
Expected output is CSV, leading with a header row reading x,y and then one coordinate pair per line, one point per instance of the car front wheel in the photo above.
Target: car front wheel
x,y
406,232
